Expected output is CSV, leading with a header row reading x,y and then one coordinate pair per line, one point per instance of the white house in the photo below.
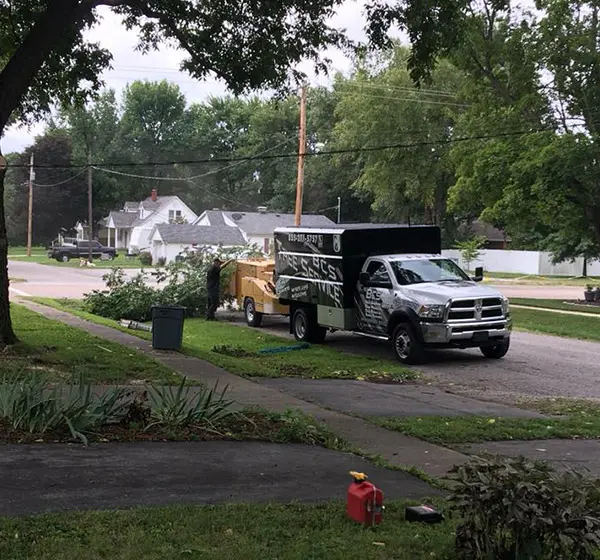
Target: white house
x,y
170,240
130,228
258,227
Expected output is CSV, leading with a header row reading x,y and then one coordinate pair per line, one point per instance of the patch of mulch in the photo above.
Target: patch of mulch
x,y
247,426
233,351
296,370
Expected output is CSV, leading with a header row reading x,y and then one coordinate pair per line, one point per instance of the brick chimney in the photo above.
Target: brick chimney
x,y
154,195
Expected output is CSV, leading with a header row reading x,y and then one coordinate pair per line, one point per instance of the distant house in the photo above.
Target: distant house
x,y
81,231
170,240
258,227
130,228
495,238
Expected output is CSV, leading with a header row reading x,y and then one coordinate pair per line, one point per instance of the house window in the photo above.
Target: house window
x,y
174,216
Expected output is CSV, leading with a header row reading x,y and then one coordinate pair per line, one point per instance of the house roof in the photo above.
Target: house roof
x,y
486,230
129,217
188,234
215,217
123,219
267,222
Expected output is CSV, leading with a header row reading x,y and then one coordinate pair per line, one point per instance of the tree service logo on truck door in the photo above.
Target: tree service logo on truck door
x,y
337,243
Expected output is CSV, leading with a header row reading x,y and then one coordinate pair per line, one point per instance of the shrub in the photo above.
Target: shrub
x,y
519,509
184,284
123,299
145,258
162,261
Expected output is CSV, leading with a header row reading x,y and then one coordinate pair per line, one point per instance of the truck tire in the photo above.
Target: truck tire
x,y
63,258
305,327
406,345
496,351
253,317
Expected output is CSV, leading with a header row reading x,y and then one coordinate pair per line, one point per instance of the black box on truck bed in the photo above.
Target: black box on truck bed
x,y
321,266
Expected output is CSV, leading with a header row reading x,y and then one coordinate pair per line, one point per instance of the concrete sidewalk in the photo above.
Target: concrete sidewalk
x,y
55,477
396,448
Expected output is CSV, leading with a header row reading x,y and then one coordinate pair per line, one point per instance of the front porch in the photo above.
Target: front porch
x,y
118,237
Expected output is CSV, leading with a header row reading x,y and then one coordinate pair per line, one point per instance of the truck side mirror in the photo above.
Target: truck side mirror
x,y
478,274
364,278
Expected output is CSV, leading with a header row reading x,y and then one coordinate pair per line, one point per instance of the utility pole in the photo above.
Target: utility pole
x,y
339,209
90,206
301,150
30,212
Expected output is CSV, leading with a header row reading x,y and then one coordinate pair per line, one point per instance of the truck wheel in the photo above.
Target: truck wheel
x,y
110,257
306,328
407,347
253,317
496,351
63,258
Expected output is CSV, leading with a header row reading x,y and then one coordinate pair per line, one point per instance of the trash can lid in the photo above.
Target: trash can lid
x,y
168,306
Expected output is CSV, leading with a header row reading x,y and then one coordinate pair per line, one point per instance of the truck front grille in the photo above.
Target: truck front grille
x,y
466,310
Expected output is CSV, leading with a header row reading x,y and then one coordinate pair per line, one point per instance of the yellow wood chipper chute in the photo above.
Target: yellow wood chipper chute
x,y
253,287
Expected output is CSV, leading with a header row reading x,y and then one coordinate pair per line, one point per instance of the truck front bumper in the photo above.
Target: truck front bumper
x,y
474,333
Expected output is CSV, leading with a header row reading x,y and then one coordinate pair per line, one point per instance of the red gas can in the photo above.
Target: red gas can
x,y
365,501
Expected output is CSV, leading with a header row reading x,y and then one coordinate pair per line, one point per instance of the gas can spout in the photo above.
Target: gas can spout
x,y
358,476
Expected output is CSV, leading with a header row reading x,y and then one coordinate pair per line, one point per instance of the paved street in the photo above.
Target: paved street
x,y
55,281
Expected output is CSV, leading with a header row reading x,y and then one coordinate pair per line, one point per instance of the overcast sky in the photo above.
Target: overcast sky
x,y
129,65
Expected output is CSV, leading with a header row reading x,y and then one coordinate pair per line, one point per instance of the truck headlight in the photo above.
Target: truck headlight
x,y
431,311
505,306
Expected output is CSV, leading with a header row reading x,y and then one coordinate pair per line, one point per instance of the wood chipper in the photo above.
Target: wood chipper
x,y
253,286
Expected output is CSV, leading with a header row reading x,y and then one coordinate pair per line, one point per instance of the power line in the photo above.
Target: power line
x,y
442,93
364,149
191,179
410,99
62,182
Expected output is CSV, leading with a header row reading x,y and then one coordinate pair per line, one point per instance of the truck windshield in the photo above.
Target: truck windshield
x,y
419,271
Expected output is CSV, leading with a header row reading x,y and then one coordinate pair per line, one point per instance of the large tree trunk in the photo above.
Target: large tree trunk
x,y
15,79
7,335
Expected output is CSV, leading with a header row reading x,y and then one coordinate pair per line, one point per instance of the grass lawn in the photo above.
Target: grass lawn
x,y
556,304
578,420
318,361
560,324
42,258
62,352
226,531
543,280
22,251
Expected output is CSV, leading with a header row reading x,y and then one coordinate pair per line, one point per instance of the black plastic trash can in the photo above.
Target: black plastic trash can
x,y
167,327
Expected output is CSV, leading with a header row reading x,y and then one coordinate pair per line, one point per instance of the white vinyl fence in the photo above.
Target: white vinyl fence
x,y
524,262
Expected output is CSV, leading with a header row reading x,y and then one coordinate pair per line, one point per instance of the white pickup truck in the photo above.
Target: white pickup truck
x,y
386,282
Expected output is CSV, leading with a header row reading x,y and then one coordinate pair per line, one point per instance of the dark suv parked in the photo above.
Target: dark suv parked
x,y
81,249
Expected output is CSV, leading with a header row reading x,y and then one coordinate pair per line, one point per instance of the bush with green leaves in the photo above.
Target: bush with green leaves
x,y
180,283
145,258
124,299
27,404
517,509
470,249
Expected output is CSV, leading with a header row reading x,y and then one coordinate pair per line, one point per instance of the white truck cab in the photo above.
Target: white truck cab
x,y
426,300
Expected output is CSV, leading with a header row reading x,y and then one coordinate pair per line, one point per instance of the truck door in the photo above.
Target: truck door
x,y
371,296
